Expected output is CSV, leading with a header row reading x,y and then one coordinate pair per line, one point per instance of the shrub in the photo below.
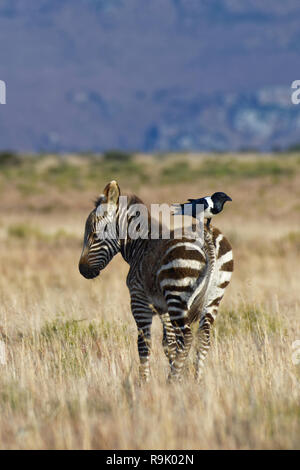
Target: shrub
x,y
117,156
8,158
294,148
177,172
24,231
247,319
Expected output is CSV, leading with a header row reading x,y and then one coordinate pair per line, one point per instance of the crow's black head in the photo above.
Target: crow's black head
x,y
219,200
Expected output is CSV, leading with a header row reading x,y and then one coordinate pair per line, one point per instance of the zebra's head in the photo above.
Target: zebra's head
x,y
101,242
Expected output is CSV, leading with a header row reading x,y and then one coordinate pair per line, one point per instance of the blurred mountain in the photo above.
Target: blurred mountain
x,y
88,75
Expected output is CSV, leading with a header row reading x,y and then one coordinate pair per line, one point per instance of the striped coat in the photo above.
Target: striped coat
x,y
181,280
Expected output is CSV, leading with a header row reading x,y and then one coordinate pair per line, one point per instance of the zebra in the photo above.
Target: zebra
x,y
175,278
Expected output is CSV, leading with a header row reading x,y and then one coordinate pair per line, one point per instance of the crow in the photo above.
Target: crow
x,y
211,205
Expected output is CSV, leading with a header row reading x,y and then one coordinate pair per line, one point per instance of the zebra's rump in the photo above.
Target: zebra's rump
x,y
190,276
179,274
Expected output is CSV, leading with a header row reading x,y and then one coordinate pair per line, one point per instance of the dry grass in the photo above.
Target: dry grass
x,y
70,379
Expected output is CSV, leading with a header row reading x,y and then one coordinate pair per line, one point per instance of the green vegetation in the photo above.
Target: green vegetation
x,y
179,171
8,158
106,170
290,241
117,156
247,319
246,169
70,345
34,174
26,231
223,167
71,332
14,397
294,148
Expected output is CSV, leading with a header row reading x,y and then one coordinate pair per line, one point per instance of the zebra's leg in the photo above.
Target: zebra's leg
x,y
169,338
202,343
144,348
143,317
180,323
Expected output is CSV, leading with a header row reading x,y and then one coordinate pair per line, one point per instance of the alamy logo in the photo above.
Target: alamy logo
x,y
174,222
296,360
296,352
296,94
2,353
2,92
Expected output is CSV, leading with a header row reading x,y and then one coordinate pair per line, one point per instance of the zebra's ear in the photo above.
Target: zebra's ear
x,y
112,192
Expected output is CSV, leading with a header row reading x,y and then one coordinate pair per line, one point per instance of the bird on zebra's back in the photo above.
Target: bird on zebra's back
x,y
209,205
182,280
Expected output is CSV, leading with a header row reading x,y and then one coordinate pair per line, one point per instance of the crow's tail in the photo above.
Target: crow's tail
x,y
177,209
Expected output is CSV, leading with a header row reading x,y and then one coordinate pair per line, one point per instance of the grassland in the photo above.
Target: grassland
x,y
70,378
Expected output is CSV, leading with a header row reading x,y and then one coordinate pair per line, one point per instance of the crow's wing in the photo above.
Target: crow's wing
x,y
189,208
201,200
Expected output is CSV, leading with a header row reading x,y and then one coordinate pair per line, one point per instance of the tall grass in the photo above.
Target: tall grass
x,y
71,375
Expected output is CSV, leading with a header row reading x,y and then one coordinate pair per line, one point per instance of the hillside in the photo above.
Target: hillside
x,y
139,75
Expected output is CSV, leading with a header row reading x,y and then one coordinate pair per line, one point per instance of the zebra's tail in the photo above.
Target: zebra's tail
x,y
201,294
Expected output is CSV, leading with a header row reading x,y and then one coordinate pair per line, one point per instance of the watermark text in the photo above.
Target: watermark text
x,y
2,92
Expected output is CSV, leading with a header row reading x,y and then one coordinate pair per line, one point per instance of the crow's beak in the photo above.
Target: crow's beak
x,y
228,198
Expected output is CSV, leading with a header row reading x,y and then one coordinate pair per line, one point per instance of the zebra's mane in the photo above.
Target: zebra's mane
x,y
132,199
99,200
